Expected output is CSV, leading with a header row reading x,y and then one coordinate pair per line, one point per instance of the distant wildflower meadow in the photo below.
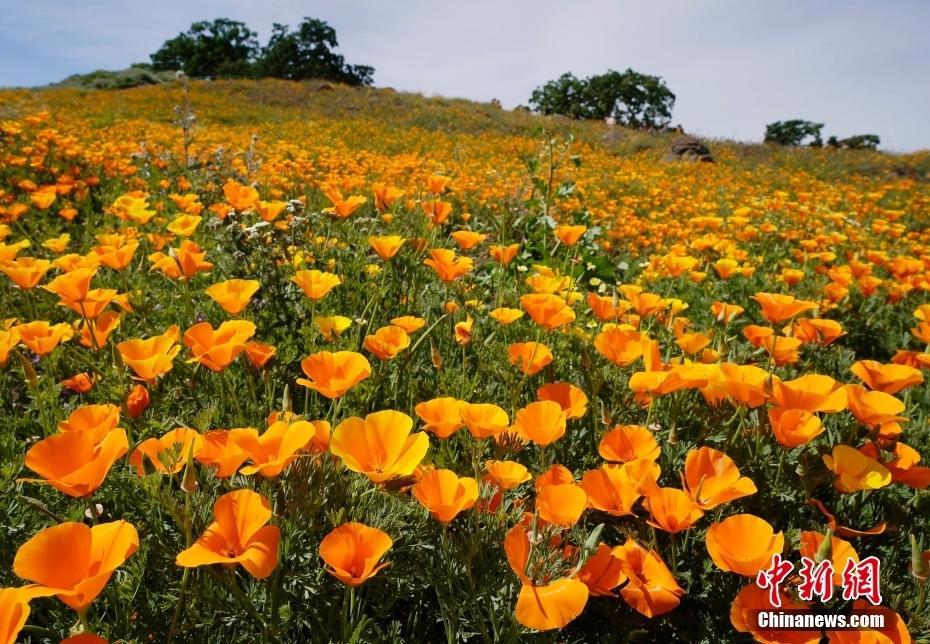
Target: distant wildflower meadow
x,y
344,365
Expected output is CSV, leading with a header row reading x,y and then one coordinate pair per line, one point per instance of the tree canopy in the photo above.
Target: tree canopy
x,y
225,48
632,98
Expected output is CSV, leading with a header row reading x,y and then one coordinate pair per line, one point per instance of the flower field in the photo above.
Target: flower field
x,y
299,362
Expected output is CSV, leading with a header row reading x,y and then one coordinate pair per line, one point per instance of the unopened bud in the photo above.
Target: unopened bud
x,y
286,405
920,566
825,551
189,482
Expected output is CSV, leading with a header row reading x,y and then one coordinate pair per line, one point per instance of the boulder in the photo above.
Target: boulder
x,y
692,149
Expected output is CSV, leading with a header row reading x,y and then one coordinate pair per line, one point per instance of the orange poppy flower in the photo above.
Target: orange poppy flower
x,y
739,384
551,606
445,494
75,462
570,398
219,450
744,616
239,535
484,419
503,255
467,239
342,207
316,284
628,442
561,504
778,308
137,401
602,572
782,349
840,551
743,543
96,332
118,256
505,316
712,478
217,348
152,357
813,393
409,323
621,346
462,331
239,196
14,610
271,452
233,295
93,304
167,454
441,416
672,510
259,353
352,552
75,561
184,262
895,629
97,419
80,383
42,338
385,196
725,312
9,338
380,446
447,266
506,474
652,589
817,331
606,309
610,489
887,378
437,211
387,342
555,475
26,272
794,427
547,310
529,357
72,285
854,471
873,408
903,465
387,246
542,422
569,235
333,374
758,335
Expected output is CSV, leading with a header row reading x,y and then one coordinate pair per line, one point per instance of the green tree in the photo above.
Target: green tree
x,y
221,48
857,142
564,96
794,132
308,53
634,99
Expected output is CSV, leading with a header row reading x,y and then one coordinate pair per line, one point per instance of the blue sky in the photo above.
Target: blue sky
x,y
858,66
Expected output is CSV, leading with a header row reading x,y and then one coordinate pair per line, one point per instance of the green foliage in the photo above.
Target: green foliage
x,y
227,48
308,53
857,142
221,48
633,99
135,76
794,132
